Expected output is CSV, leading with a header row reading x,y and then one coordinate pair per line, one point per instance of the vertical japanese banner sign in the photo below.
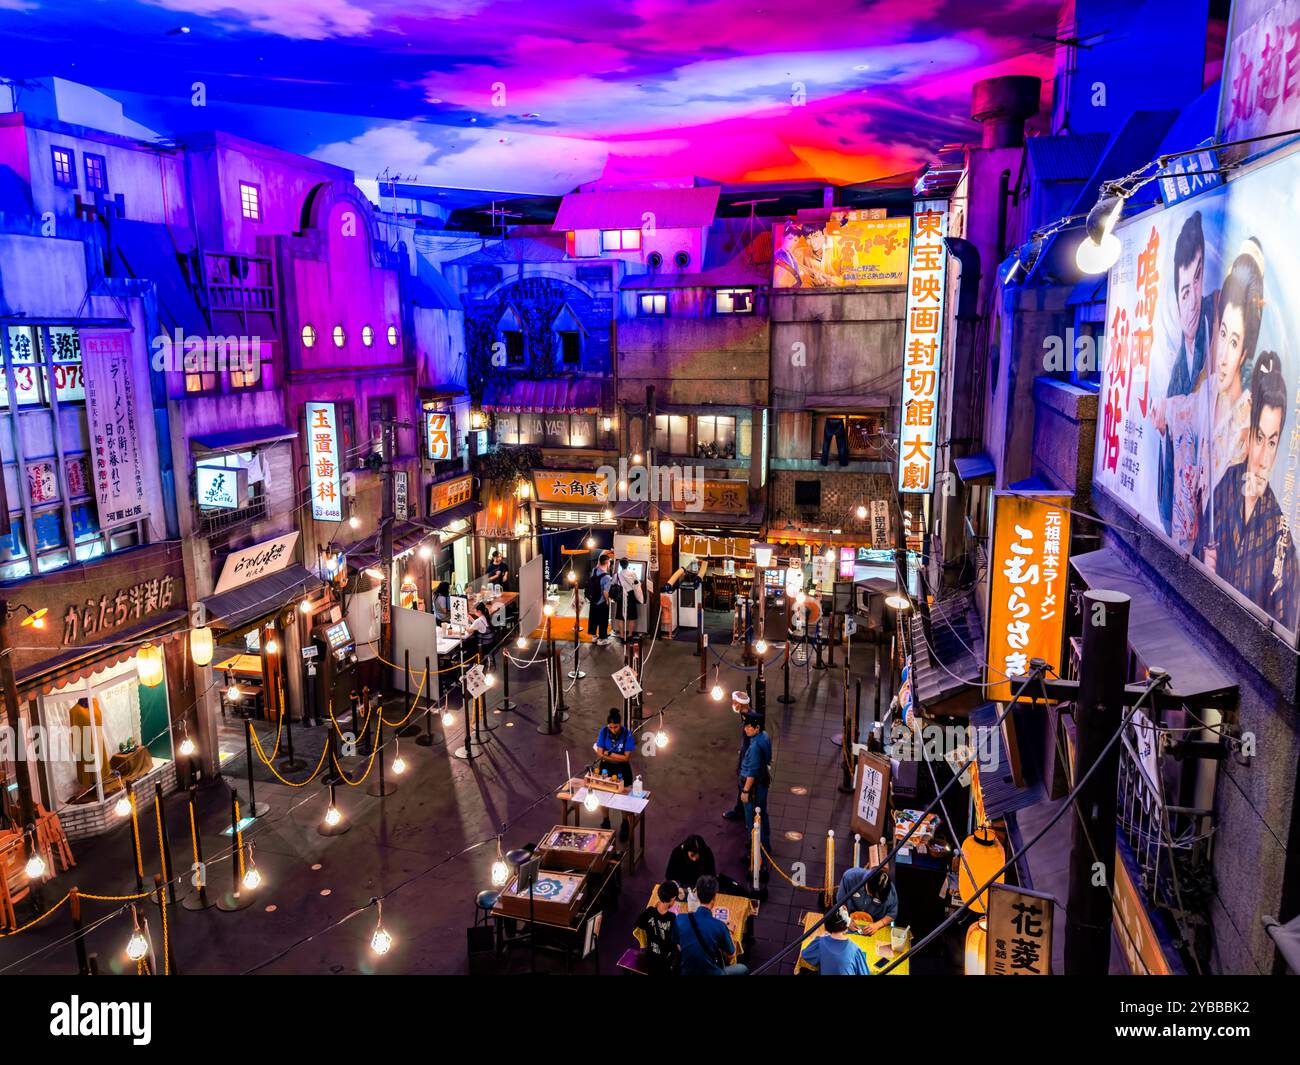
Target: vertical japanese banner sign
x,y
1020,932
879,524
437,434
114,428
323,458
922,344
1258,94
1031,547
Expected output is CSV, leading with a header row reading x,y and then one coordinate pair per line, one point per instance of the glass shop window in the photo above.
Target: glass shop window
x,y
14,563
514,342
620,239
96,173
715,437
654,304
64,162
734,301
866,434
672,434
51,540
570,347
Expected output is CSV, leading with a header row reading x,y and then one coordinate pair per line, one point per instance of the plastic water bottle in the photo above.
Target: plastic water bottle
x,y
636,788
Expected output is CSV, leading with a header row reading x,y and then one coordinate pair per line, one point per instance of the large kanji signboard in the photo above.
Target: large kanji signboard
x,y
323,462
922,347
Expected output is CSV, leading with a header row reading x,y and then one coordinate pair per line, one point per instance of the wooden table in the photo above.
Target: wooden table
x,y
568,939
739,912
571,797
870,945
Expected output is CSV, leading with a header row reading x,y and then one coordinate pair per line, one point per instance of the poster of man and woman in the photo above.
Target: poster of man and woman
x,y
1199,430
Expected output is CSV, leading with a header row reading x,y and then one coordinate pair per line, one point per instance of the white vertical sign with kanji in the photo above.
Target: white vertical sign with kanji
x,y
323,459
114,429
922,345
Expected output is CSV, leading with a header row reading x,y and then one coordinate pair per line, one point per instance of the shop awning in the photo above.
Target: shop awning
x,y
246,604
975,469
460,512
1158,637
571,394
948,656
407,535
240,439
80,661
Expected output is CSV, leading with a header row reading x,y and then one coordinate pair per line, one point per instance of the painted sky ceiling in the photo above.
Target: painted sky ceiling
x,y
541,95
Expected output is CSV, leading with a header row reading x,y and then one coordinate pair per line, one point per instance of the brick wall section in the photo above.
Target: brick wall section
x,y
842,492
94,819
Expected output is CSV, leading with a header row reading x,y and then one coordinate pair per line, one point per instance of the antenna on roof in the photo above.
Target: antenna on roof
x,y
494,212
749,225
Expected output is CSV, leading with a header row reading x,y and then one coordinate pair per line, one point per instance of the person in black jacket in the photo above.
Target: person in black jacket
x,y
661,949
690,860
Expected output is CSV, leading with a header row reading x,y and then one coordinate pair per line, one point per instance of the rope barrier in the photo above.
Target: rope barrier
x,y
257,744
781,872
35,920
117,898
369,766
415,705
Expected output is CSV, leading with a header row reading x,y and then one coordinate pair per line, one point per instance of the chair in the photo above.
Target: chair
x,y
14,882
52,840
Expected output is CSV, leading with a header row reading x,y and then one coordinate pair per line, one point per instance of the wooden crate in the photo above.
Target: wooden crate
x,y
556,897
568,847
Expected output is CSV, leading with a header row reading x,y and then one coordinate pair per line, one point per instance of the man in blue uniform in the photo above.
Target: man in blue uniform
x,y
756,777
614,745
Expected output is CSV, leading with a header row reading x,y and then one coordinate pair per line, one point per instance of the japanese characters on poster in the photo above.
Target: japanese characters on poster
x,y
1031,547
1260,90
437,434
880,524
1020,926
115,431
1199,428
323,460
922,337
846,250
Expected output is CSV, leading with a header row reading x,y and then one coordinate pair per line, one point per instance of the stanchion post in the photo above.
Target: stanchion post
x,y
169,958
78,933
135,839
169,872
426,740
784,698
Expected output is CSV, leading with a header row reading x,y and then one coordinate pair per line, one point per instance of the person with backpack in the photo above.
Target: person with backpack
x,y
598,584
706,943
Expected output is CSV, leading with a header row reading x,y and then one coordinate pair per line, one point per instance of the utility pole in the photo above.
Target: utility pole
x,y
388,441
13,716
1098,715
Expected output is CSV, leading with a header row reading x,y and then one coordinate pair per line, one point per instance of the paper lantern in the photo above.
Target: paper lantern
x,y
977,938
667,531
201,645
762,555
983,857
149,665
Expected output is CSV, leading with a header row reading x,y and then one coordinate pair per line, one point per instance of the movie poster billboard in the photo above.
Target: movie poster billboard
x,y
847,250
1260,92
1199,432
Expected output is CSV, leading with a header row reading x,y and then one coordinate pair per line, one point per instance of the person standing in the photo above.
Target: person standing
x,y
598,584
707,946
737,812
614,744
497,571
630,596
756,778
835,954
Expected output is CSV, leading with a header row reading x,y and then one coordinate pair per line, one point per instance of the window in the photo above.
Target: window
x,y
250,201
367,336
620,239
735,301
671,434
715,436
380,409
65,167
570,347
245,364
654,304
308,336
346,414
32,372
392,336
340,336
514,341
96,173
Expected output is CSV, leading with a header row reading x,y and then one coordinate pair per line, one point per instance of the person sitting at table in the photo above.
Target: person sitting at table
x,y
860,892
707,946
614,744
480,631
835,954
690,860
656,931
497,571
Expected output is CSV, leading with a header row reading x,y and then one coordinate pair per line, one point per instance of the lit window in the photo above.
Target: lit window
x,y
64,167
308,336
246,365
340,336
250,203
715,437
735,301
392,335
654,303
96,173
620,239
367,336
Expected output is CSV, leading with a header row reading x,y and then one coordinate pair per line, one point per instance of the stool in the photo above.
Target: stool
x,y
630,963
484,902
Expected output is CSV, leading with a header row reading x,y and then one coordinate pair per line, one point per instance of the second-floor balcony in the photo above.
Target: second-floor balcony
x,y
242,284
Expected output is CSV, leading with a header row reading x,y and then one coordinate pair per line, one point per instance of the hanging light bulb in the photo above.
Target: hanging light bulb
x,y
490,679
332,816
137,946
399,763
760,646
548,609
572,578
35,868
201,645
305,606
591,803
636,459
448,719
591,542
500,870
149,665
661,737
187,748
717,692
522,643
354,522
861,511
426,552
233,693
122,807
271,646
381,942
252,878
607,513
